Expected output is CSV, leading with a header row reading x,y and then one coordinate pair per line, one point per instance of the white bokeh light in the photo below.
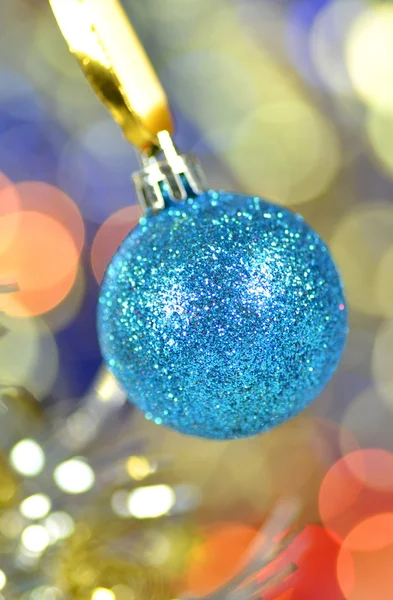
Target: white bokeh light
x,y
35,538
74,476
152,501
103,594
36,506
28,458
59,525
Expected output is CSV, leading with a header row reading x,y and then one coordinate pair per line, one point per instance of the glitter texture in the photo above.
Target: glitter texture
x,y
222,316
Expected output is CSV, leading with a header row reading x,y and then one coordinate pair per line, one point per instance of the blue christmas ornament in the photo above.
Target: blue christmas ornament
x,y
222,315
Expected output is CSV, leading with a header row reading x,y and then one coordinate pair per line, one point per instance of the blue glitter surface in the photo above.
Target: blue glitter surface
x,y
222,316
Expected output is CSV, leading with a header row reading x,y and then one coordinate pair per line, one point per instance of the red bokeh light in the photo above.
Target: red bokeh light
x,y
109,237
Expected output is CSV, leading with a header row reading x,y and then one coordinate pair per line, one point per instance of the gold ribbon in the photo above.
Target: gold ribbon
x,y
112,57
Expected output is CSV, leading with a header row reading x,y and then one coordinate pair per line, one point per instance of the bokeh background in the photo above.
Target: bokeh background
x,y
287,99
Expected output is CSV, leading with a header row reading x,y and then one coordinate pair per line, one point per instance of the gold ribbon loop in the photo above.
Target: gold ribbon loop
x,y
101,37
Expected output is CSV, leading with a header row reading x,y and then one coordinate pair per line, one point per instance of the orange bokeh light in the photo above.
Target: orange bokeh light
x,y
109,237
37,196
9,202
358,486
218,557
41,258
364,565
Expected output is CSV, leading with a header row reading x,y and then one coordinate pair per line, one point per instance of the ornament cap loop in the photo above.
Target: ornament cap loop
x,y
107,48
175,178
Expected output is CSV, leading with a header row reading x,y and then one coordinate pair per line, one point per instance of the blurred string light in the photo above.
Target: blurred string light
x,y
109,237
35,538
139,467
151,501
359,242
59,525
74,476
364,565
370,55
103,594
27,458
36,506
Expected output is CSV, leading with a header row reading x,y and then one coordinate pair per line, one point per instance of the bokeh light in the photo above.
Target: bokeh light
x,y
35,538
27,458
382,362
139,467
217,557
43,261
151,502
328,41
359,242
379,129
357,486
60,525
36,506
28,354
269,162
109,237
74,476
369,417
365,572
370,55
103,594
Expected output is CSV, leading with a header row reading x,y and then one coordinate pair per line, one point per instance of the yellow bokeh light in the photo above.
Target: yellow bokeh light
x,y
36,506
3,580
370,56
384,284
103,594
379,127
11,524
286,151
382,362
59,525
360,241
74,476
107,387
138,467
28,458
35,538
151,502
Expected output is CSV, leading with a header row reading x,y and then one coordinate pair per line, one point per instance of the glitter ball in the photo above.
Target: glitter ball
x,y
222,316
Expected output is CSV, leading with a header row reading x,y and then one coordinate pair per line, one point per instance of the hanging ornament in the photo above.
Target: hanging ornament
x,y
221,315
